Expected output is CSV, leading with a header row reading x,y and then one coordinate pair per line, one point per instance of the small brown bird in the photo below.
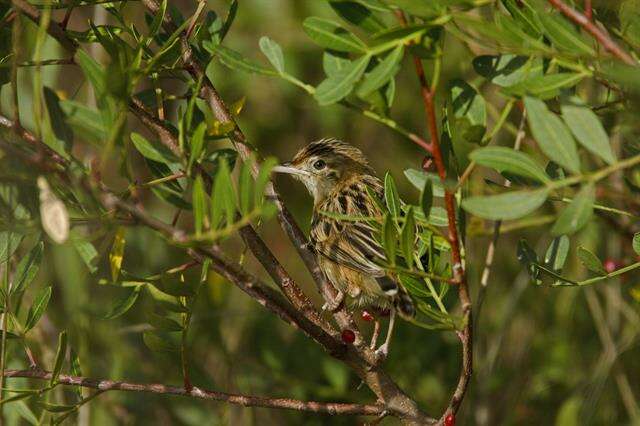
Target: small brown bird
x,y
349,252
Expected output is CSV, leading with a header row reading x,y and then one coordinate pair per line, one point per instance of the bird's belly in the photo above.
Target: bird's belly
x,y
362,288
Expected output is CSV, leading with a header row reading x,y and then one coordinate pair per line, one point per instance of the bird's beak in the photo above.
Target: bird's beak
x,y
288,169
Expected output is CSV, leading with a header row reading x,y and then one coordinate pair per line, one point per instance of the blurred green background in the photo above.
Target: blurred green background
x,y
541,357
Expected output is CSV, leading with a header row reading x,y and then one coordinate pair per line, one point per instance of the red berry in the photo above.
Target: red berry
x,y
610,265
450,420
366,316
348,336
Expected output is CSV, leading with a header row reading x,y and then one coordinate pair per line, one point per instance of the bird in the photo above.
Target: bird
x,y
343,183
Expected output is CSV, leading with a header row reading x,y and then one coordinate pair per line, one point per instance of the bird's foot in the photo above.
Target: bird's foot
x,y
334,304
382,352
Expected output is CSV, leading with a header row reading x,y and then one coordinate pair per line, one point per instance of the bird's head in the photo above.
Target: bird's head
x,y
325,164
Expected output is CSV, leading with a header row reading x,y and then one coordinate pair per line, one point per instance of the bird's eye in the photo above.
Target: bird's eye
x,y
319,165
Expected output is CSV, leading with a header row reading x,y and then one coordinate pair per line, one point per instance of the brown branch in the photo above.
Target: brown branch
x,y
331,408
458,268
601,36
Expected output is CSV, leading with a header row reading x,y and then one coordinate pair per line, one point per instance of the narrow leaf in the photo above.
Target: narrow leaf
x,y
509,160
591,261
124,304
552,135
636,242
199,204
37,309
339,85
331,35
426,197
407,237
144,147
587,128
117,253
60,354
273,52
381,73
577,214
27,268
197,143
391,197
245,188
235,60
389,238
510,205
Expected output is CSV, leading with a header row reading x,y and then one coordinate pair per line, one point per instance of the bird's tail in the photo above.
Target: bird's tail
x,y
404,304
399,297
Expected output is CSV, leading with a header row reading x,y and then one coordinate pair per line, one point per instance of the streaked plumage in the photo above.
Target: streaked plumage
x,y
337,175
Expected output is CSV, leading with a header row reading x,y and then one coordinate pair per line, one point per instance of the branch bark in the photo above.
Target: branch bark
x,y
331,408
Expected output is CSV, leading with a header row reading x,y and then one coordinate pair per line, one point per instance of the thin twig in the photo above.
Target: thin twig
x,y
600,35
331,408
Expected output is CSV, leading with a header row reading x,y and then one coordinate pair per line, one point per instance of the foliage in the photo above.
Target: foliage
x,y
128,200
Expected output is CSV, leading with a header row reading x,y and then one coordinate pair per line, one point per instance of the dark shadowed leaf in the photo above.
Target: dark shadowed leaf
x,y
357,14
426,197
391,196
160,342
556,254
507,70
123,304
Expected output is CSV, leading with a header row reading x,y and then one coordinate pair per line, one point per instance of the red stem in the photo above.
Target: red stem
x,y
601,36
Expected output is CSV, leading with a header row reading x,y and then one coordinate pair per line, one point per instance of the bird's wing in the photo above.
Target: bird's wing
x,y
350,243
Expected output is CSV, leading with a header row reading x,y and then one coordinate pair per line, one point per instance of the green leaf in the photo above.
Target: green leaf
x,y
144,147
87,253
235,60
588,130
424,9
552,135
37,309
426,197
557,253
528,259
27,268
165,324
123,304
199,204
273,52
419,178
158,18
197,143
358,15
338,86
331,35
591,261
9,242
510,205
333,62
389,238
381,73
577,214
636,242
507,70
87,122
263,179
391,197
509,160
564,35
222,197
545,86
60,354
408,237
160,342
245,188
